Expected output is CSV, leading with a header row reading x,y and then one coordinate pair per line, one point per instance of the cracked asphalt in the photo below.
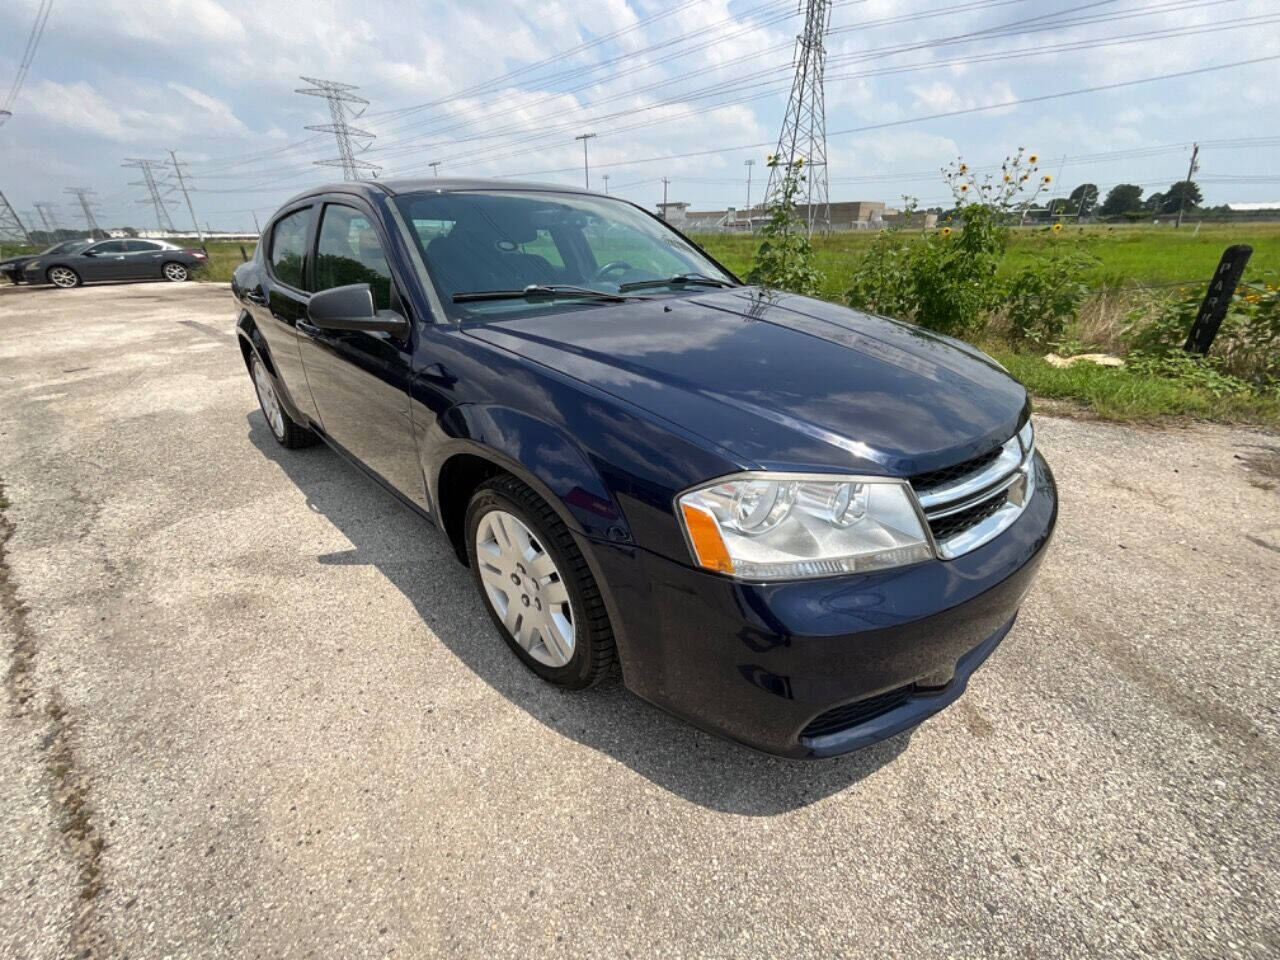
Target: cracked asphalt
x,y
255,709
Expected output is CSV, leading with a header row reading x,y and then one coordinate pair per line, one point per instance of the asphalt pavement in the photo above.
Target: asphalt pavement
x,y
254,708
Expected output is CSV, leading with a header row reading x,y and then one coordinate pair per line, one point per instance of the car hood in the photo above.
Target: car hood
x,y
781,381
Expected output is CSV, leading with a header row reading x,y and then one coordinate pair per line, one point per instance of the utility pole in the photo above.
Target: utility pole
x,y
339,95
435,167
182,185
47,216
163,220
804,127
605,178
749,164
11,227
1191,172
256,228
665,181
82,194
586,172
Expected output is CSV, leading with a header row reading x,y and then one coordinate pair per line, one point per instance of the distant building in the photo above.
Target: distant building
x,y
1251,207
845,215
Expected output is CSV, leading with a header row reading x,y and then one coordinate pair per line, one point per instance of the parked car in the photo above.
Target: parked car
x,y
115,260
12,268
793,524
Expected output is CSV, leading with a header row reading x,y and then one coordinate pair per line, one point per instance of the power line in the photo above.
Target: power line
x,y
339,95
33,41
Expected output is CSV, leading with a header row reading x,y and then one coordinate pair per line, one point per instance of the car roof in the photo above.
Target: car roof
x,y
395,187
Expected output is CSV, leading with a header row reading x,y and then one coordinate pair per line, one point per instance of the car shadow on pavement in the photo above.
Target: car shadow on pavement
x,y
419,561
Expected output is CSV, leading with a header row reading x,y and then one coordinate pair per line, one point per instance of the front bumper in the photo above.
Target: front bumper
x,y
757,663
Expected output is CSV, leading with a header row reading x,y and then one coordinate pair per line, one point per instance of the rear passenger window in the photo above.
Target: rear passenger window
x,y
349,251
139,246
288,246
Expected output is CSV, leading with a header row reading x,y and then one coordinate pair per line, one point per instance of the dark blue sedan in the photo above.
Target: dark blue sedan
x,y
795,525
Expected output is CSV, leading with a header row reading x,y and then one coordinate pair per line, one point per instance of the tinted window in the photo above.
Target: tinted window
x,y
137,246
349,251
289,247
109,246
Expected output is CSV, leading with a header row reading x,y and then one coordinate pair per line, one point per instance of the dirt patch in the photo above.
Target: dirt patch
x,y
1263,464
69,785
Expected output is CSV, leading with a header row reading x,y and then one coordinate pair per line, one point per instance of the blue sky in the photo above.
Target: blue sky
x,y
214,80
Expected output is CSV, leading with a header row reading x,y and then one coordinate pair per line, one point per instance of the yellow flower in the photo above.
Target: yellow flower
x,y
946,231
800,162
964,188
964,168
1007,178
1033,159
1057,228
1048,179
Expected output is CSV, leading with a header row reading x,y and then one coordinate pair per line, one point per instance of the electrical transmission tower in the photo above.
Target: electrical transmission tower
x,y
11,227
163,220
82,194
804,128
47,216
339,96
182,185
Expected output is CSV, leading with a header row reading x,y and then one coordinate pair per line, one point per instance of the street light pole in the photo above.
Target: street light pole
x,y
749,164
435,167
586,171
605,178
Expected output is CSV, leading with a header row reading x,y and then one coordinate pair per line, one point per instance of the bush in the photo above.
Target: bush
x,y
784,260
1044,296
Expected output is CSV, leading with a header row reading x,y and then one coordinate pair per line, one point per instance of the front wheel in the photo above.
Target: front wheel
x,y
537,585
175,272
63,277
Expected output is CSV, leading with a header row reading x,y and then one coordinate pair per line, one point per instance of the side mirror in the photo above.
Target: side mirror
x,y
351,308
88,253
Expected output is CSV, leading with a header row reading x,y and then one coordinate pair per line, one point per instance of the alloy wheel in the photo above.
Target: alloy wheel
x,y
267,397
525,588
175,272
63,277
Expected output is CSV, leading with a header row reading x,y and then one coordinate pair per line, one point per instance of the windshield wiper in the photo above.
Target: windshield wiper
x,y
680,279
537,290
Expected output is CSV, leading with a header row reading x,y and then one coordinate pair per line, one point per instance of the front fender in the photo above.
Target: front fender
x,y
541,455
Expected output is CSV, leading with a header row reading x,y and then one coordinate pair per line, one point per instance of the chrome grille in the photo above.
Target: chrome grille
x,y
968,505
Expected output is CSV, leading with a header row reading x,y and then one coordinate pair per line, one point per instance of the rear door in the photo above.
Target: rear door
x,y
359,380
280,300
142,258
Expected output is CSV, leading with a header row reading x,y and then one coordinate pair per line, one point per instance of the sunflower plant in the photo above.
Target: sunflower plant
x,y
784,260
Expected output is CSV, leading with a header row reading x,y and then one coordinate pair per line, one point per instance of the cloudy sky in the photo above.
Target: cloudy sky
x,y
683,89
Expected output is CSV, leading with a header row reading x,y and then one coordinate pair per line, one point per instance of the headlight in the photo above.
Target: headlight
x,y
781,526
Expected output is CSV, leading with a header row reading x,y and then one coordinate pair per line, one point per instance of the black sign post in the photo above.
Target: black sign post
x,y
1221,289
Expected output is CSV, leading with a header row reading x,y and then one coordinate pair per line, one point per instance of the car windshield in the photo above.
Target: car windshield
x,y
531,252
69,246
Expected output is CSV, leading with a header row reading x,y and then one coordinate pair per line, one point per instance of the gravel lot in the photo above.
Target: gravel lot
x,y
254,708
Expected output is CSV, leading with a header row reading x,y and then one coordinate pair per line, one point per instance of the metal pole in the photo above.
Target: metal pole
x,y
749,165
586,172
665,181
605,178
435,167
1191,171
256,227
182,185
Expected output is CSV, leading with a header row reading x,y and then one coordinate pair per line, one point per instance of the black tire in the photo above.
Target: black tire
x,y
72,278
175,272
594,651
287,431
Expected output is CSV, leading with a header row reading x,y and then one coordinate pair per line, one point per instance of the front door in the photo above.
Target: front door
x,y
359,380
103,261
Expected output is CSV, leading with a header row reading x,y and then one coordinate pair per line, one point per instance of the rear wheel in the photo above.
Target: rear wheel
x,y
63,277
175,272
537,585
283,428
